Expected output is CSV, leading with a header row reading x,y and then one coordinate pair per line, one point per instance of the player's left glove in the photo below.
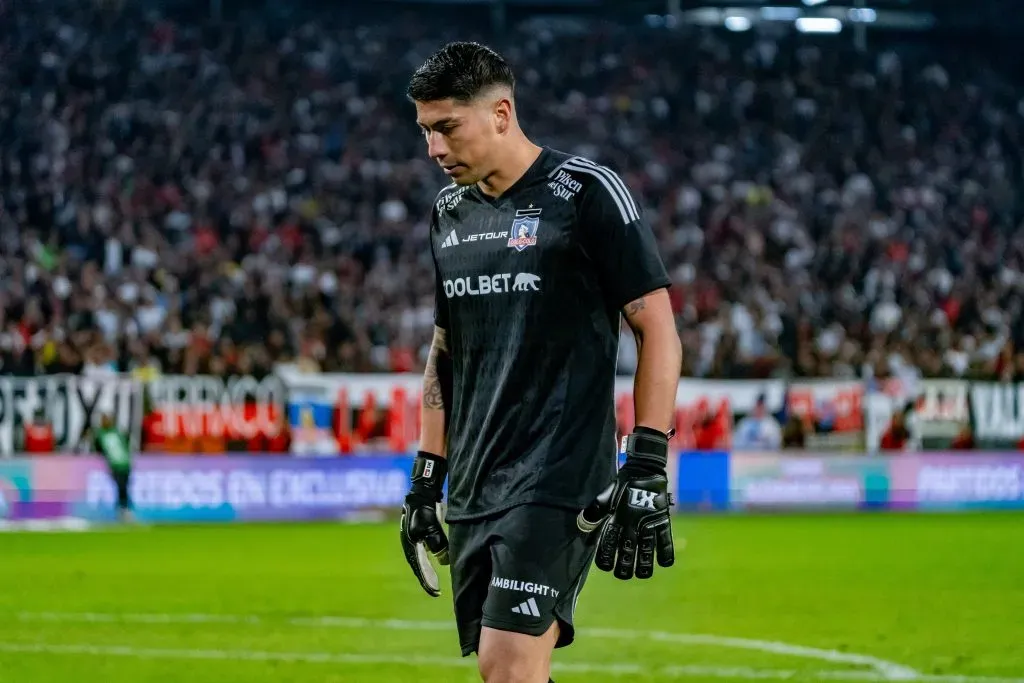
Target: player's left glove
x,y
421,525
634,510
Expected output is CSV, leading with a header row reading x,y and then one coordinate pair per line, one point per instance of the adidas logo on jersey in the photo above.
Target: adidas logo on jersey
x,y
451,240
528,608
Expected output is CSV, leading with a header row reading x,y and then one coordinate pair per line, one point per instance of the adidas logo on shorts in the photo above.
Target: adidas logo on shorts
x,y
529,608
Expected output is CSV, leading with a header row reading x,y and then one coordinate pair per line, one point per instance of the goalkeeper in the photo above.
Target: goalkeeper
x,y
537,255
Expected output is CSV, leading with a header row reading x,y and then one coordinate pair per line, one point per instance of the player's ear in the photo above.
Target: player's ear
x,y
502,115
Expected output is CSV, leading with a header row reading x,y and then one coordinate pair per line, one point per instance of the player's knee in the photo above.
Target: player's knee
x,y
509,667
514,658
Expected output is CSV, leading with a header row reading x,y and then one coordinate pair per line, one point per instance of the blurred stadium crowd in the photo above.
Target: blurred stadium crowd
x,y
219,197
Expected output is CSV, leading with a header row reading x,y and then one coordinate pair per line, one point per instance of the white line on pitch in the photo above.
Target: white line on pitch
x,y
616,669
888,670
406,660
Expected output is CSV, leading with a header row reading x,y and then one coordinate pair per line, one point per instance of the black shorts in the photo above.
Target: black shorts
x,y
518,571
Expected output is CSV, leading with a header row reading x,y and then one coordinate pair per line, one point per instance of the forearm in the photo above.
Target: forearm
x,y
437,393
660,358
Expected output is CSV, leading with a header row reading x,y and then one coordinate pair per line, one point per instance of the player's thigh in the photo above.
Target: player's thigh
x,y
120,475
540,560
470,557
509,657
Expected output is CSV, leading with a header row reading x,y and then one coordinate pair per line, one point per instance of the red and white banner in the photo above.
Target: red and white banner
x,y
205,413
375,411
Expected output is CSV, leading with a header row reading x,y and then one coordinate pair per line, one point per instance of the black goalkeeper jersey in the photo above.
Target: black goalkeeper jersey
x,y
530,288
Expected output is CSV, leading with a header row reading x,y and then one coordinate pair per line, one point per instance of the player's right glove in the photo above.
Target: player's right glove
x,y
421,525
634,510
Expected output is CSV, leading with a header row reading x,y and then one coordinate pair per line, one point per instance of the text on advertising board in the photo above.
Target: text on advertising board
x,y
236,407
70,404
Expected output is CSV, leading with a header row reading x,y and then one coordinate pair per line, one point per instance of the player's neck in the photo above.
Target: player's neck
x,y
515,163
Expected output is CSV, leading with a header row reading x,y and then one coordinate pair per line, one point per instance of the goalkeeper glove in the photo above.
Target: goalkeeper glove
x,y
634,510
421,520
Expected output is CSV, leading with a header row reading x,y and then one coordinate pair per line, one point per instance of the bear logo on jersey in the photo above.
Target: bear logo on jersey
x,y
524,229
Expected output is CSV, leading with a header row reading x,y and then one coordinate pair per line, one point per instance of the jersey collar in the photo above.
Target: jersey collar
x,y
535,170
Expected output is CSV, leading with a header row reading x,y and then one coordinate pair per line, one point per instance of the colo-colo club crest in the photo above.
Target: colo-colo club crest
x,y
524,229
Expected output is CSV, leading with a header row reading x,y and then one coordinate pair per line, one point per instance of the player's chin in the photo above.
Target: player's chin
x,y
461,175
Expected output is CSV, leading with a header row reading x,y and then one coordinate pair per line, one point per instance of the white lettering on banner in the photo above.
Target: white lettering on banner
x,y
823,491
941,408
99,489
206,405
967,483
318,488
943,401
161,489
246,490
70,404
997,411
811,467
242,489
174,489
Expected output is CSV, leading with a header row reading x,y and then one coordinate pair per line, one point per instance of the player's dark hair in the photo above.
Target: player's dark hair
x,y
459,71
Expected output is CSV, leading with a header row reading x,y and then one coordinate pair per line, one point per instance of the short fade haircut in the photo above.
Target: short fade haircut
x,y
460,71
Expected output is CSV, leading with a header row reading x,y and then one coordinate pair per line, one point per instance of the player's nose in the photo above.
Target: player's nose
x,y
437,148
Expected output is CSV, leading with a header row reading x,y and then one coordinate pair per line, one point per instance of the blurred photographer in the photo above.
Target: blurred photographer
x,y
115,447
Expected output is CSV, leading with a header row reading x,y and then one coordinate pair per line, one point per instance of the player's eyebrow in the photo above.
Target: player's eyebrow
x,y
440,123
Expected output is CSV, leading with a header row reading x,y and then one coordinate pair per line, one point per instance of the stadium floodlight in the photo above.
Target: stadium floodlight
x,y
781,13
737,22
863,15
818,25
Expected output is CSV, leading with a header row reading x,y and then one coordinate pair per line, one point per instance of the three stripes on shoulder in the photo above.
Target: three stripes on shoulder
x,y
611,182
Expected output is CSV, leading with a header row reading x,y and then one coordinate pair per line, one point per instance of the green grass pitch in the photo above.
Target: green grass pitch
x,y
803,598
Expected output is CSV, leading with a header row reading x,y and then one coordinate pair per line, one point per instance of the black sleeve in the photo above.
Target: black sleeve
x,y
620,242
440,301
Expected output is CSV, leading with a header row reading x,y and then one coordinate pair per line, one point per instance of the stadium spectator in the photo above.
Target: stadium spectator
x,y
220,197
897,436
758,431
39,438
793,432
964,440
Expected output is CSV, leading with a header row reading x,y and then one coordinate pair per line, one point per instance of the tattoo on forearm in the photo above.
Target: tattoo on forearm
x,y
432,396
634,307
431,384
